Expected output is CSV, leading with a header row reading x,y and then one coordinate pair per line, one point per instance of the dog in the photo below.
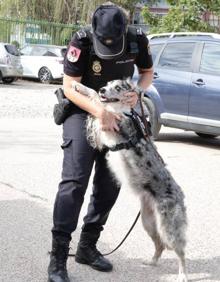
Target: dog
x,y
138,164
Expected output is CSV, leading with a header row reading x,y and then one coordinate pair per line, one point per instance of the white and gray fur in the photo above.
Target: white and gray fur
x,y
162,201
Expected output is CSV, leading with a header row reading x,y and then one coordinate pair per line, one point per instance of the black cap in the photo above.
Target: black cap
x,y
109,28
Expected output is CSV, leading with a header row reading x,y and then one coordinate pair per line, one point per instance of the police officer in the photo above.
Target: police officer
x,y
106,52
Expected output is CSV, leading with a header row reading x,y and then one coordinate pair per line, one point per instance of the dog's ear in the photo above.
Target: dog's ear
x,y
129,82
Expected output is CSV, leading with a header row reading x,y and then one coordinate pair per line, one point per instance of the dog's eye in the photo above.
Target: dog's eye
x,y
102,90
118,88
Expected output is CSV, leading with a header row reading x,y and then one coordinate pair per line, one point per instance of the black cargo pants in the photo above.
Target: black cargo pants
x,y
78,161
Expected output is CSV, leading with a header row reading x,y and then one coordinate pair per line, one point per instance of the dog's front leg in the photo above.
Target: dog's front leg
x,y
79,87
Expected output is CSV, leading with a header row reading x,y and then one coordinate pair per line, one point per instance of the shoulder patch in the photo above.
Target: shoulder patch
x,y
73,54
81,34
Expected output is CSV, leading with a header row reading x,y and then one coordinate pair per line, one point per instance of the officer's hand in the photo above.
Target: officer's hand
x,y
130,99
108,120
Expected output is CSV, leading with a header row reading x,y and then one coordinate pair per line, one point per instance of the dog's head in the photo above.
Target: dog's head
x,y
114,91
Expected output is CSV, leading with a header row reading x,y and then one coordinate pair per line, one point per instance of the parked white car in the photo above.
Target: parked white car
x,y
10,63
44,62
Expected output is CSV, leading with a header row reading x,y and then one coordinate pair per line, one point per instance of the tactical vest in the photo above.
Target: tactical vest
x,y
100,71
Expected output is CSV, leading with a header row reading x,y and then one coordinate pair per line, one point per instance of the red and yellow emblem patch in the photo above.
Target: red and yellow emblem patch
x,y
73,54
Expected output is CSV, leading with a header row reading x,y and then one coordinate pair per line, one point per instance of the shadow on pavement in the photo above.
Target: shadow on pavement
x,y
209,269
134,270
191,139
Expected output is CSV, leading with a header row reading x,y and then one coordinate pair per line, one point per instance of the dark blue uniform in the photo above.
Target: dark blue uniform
x,y
79,156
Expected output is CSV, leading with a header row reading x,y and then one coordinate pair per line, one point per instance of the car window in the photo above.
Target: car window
x,y
38,51
54,52
26,50
12,49
210,61
155,49
177,56
50,54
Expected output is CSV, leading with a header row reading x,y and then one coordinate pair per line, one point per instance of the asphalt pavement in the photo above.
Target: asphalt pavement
x,y
30,167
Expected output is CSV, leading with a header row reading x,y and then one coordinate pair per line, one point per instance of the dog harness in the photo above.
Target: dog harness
x,y
141,132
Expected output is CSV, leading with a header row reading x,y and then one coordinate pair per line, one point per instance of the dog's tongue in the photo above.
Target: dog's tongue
x,y
103,98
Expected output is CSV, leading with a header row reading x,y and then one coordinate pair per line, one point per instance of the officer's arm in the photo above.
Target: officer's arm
x,y
108,120
145,77
79,99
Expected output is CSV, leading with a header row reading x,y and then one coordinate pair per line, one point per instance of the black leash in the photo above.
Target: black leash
x,y
129,231
119,245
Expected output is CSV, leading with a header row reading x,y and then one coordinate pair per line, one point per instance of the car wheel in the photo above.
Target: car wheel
x,y
45,75
7,80
204,135
153,117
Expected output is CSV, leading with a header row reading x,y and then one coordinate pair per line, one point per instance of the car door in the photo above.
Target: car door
x,y
204,106
172,78
26,60
32,59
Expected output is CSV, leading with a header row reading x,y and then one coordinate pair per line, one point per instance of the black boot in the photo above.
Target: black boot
x,y
57,268
88,254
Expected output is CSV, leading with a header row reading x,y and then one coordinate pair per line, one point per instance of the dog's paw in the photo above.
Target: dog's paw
x,y
153,262
182,278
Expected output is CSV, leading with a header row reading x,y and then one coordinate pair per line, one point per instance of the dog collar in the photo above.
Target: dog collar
x,y
124,145
132,142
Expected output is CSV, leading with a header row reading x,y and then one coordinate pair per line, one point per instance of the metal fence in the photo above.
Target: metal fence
x,y
21,32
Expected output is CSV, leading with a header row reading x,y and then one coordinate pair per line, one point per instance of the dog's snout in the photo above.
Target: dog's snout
x,y
102,90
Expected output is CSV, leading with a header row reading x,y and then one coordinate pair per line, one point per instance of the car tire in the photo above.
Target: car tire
x,y
45,75
153,117
204,135
8,80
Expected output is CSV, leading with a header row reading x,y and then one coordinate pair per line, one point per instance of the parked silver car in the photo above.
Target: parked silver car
x,y
44,62
10,63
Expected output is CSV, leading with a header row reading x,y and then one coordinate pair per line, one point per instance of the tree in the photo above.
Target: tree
x,y
63,11
150,18
184,15
128,5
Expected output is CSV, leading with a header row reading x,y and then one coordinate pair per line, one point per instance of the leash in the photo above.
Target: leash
x,y
143,119
129,231
125,237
